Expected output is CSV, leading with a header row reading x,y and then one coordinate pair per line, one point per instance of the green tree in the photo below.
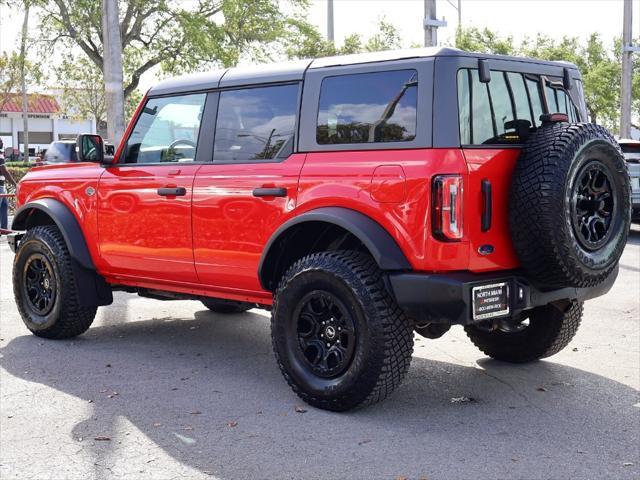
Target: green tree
x,y
9,77
82,92
484,41
307,42
170,34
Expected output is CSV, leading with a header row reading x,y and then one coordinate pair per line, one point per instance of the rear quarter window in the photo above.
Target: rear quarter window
x,y
372,107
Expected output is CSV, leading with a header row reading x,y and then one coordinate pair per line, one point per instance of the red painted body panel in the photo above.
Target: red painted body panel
x,y
210,241
231,227
497,167
68,183
141,233
344,179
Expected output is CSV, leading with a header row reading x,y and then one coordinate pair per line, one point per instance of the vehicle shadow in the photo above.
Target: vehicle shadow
x,y
185,382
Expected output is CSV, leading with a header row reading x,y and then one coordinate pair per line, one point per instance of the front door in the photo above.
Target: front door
x,y
144,212
249,189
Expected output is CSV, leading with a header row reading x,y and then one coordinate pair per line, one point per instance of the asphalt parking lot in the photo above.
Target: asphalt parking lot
x,y
168,390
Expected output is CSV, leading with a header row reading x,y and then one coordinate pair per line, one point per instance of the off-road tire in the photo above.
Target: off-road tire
x,y
542,204
383,344
66,318
219,305
548,332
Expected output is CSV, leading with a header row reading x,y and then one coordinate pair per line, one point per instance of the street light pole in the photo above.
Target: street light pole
x,y
112,67
431,24
430,31
627,68
330,34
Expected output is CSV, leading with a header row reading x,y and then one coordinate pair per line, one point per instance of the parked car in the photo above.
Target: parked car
x,y
61,151
396,192
631,151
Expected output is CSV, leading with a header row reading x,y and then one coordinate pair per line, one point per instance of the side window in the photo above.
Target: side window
x,y
502,109
533,86
464,107
560,101
482,127
552,101
521,97
256,123
166,130
368,108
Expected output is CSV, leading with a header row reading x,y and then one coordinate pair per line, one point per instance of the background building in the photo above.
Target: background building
x,y
46,123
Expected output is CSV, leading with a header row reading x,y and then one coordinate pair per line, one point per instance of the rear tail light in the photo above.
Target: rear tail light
x,y
447,207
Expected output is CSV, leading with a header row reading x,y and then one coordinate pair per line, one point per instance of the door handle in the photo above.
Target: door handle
x,y
270,192
487,205
172,191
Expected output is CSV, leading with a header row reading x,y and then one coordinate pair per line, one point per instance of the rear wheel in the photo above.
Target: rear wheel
x,y
340,339
219,305
545,332
44,286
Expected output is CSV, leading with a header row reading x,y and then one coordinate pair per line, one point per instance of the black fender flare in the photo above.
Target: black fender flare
x,y
384,249
93,289
66,223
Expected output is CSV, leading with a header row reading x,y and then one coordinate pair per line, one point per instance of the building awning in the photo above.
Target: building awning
x,y
38,103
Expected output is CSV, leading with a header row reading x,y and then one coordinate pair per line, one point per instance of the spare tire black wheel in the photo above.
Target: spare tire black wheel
x,y
570,205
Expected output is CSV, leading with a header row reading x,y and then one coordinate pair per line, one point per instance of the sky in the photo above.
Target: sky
x,y
518,18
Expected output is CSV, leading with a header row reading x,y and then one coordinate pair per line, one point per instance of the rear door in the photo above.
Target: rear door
x,y
144,212
495,119
250,188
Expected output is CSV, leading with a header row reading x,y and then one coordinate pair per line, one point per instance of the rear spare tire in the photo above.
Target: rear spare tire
x,y
570,205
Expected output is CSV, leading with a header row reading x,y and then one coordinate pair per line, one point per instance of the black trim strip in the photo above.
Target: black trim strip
x,y
487,204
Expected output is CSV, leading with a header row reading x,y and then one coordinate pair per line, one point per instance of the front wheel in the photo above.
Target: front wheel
x,y
545,332
44,286
340,339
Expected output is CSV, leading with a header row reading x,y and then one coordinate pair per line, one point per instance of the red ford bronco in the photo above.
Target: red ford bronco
x,y
359,198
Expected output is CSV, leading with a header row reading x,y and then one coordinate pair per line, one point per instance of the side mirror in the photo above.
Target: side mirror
x,y
90,148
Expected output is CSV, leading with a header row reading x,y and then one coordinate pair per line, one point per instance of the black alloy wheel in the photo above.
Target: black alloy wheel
x,y
326,333
39,284
594,205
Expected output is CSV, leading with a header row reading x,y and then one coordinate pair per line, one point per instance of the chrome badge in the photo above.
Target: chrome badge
x,y
90,191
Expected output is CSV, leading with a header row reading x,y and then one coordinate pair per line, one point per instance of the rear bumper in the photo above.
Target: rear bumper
x,y
446,298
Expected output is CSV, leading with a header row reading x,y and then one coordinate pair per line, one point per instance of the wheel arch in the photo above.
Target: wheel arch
x,y
49,211
330,228
93,289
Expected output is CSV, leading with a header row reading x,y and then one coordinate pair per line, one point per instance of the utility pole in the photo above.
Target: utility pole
x,y
431,24
330,35
23,75
112,67
627,68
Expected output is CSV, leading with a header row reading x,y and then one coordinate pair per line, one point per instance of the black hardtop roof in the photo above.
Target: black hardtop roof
x,y
294,70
